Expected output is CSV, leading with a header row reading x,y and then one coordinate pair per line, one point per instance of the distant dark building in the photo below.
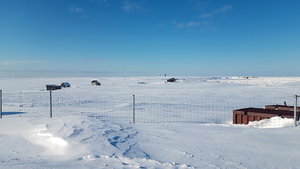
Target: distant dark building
x,y
96,83
171,80
65,84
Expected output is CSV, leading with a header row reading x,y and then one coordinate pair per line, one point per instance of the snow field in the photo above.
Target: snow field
x,y
92,142
70,141
92,126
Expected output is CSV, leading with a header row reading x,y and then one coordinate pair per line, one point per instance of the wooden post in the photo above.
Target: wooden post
x,y
133,110
1,104
295,110
50,103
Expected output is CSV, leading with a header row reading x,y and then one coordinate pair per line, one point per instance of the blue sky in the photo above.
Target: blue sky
x,y
151,37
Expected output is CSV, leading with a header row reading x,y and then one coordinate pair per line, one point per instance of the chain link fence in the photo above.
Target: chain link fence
x,y
129,108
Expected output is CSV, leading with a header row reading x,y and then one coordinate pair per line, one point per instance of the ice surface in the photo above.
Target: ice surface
x,y
79,136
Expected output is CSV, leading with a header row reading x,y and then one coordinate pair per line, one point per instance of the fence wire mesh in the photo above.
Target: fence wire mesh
x,y
148,109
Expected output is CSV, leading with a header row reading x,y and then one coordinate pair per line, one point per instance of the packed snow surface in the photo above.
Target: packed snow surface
x,y
186,124
274,122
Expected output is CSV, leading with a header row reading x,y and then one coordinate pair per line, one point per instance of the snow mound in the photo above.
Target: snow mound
x,y
75,141
258,81
124,162
274,122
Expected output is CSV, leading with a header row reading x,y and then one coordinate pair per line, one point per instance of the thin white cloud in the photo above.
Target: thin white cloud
x,y
129,7
203,20
99,1
20,62
94,60
216,12
76,9
199,4
190,24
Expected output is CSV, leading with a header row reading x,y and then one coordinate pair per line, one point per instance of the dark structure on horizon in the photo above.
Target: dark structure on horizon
x,y
65,84
171,80
95,83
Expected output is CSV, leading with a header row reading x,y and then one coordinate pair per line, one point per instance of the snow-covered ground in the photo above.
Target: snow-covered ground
x,y
92,126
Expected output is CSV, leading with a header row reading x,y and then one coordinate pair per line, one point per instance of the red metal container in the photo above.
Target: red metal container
x,y
284,107
244,116
281,107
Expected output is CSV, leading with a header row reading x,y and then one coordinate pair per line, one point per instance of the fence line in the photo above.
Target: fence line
x,y
1,104
295,110
141,109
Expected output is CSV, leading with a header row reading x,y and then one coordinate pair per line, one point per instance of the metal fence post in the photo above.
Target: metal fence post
x,y
1,104
50,103
295,110
133,109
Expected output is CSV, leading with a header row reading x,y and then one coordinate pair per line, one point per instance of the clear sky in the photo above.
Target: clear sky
x,y
151,37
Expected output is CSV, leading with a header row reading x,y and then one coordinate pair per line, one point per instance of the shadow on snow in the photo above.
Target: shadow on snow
x,y
12,113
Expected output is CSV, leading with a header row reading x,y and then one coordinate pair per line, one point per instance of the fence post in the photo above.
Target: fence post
x,y
295,110
1,104
133,109
50,103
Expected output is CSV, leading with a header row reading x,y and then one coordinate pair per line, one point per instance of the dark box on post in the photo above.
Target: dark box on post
x,y
53,87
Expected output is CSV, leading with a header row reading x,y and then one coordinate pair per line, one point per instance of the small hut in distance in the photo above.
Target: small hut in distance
x,y
95,83
171,80
65,84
